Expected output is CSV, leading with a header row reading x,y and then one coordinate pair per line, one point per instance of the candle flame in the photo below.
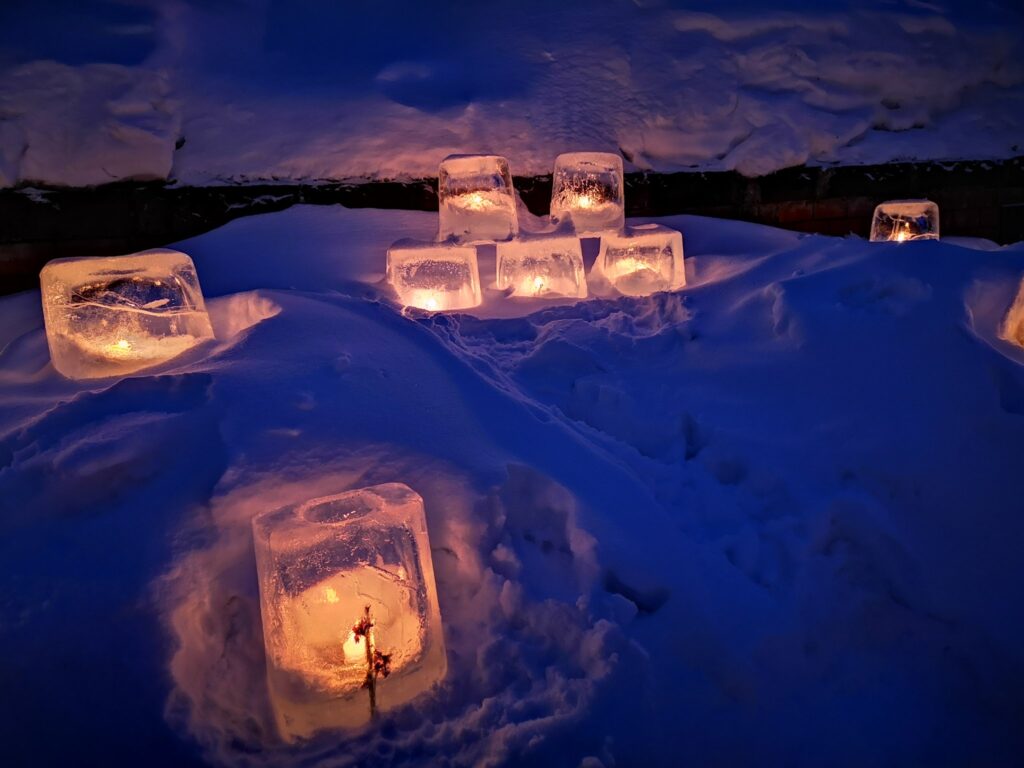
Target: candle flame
x,y
123,344
539,283
431,304
585,201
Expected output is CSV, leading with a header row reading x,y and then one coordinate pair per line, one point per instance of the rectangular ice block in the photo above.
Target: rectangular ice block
x,y
476,199
902,220
545,267
114,315
588,187
336,573
434,276
642,260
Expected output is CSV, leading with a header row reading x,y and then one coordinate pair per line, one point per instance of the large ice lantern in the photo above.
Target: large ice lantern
x,y
114,315
476,199
589,188
902,220
642,260
351,622
543,266
434,276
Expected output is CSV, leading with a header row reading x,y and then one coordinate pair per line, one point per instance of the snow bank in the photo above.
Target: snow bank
x,y
273,90
772,518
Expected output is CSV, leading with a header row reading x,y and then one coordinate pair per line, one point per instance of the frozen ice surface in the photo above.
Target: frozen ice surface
x,y
476,199
588,187
434,276
901,220
549,266
642,260
321,564
111,316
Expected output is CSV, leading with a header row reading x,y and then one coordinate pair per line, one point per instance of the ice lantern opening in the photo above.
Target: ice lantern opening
x,y
475,198
542,267
588,187
902,220
642,260
434,276
114,315
325,564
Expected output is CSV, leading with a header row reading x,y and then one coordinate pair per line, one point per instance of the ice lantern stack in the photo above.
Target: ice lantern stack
x,y
902,220
114,315
326,565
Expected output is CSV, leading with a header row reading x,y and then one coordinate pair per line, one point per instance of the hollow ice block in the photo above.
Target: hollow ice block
x,y
476,200
902,220
642,260
434,276
543,267
588,187
323,565
114,315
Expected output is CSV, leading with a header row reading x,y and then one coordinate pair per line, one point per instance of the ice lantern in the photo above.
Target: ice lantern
x,y
114,315
542,267
434,276
902,220
588,186
476,199
642,260
336,574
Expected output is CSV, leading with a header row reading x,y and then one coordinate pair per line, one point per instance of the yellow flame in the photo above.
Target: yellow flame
x,y
123,344
539,283
431,304
585,201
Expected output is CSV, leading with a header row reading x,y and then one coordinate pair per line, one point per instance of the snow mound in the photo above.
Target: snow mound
x,y
269,90
676,528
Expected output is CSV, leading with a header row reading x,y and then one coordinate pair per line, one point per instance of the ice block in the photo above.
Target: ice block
x,y
543,266
642,260
114,315
347,593
588,187
476,199
902,220
434,276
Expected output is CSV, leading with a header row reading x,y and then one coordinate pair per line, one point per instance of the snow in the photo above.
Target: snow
x,y
771,518
263,90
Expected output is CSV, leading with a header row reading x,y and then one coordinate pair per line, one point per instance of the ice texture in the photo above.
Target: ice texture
x,y
114,315
588,188
902,220
321,564
434,276
476,199
642,260
544,267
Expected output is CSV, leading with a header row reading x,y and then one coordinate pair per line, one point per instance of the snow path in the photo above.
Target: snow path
x,y
774,517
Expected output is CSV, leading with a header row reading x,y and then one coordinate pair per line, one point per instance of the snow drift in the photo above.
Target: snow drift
x,y
774,517
279,90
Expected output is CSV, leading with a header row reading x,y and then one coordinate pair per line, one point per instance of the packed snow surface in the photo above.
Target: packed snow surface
x,y
772,518
252,90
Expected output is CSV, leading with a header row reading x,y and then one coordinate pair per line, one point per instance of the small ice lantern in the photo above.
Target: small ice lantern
x,y
902,220
114,315
351,622
588,186
476,198
642,260
545,267
434,276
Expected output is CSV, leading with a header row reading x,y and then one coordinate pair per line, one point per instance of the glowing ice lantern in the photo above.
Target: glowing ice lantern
x,y
902,220
589,188
476,198
114,315
544,267
351,622
434,276
642,260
